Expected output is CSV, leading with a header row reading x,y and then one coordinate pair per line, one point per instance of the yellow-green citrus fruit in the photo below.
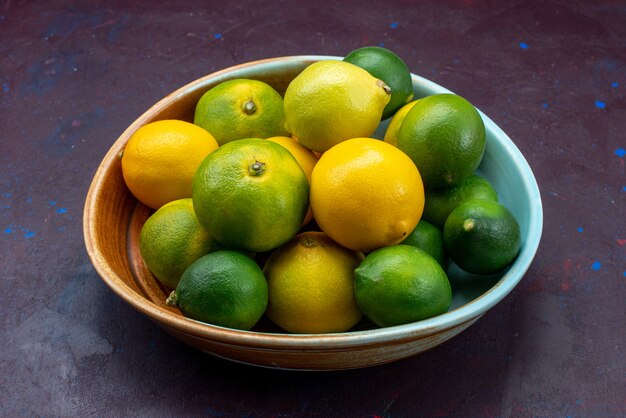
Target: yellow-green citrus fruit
x,y
160,159
241,108
400,284
331,101
171,239
251,195
366,194
441,201
445,137
311,287
391,134
224,288
304,157
482,236
388,67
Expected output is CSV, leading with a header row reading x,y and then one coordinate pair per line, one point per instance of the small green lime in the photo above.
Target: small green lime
x,y
445,137
171,239
482,236
400,284
388,67
441,201
223,288
428,238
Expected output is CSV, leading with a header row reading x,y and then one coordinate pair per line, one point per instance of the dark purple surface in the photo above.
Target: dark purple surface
x,y
73,77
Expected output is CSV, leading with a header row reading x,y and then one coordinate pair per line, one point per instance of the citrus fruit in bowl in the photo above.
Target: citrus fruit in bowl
x,y
113,219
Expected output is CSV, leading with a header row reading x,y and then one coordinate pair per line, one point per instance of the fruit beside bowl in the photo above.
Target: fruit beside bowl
x,y
113,219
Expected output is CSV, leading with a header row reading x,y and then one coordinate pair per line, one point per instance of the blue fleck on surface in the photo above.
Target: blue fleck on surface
x,y
393,25
523,45
217,36
600,104
620,152
596,265
614,84
579,229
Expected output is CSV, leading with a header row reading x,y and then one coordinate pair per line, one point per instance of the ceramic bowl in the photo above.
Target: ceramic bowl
x,y
113,218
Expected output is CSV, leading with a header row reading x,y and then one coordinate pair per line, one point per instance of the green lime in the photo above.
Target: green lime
x,y
223,288
251,195
428,238
400,284
388,67
445,137
441,201
241,108
482,236
171,239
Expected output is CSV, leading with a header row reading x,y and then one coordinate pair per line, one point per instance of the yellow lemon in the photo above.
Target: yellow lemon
x,y
160,159
391,134
304,157
331,101
386,65
241,108
366,194
310,285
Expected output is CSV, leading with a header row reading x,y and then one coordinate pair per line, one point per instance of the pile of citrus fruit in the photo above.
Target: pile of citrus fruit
x,y
285,206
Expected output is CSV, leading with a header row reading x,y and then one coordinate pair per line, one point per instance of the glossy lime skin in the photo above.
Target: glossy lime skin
x,y
400,284
439,202
223,288
429,238
445,137
482,236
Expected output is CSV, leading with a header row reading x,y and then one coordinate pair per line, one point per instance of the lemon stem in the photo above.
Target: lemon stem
x,y
249,107
256,168
468,225
172,299
384,86
309,242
